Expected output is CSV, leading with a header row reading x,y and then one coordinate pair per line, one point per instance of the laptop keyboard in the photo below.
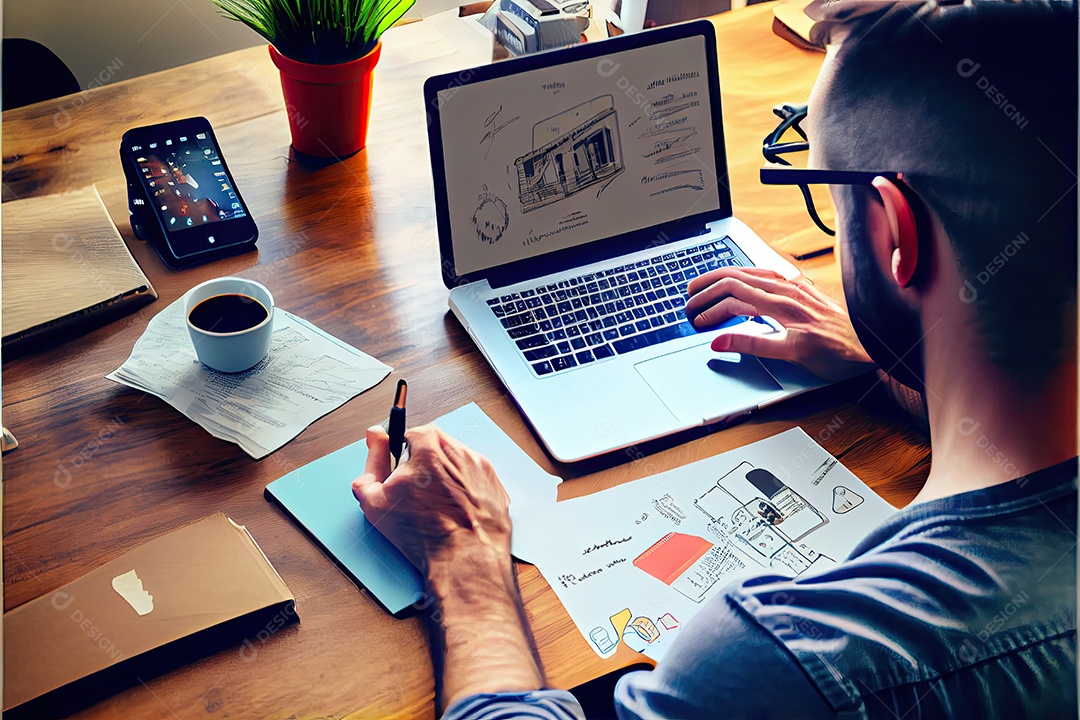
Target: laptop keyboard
x,y
611,312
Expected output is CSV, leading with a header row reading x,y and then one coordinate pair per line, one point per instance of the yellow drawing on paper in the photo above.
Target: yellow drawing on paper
x,y
620,620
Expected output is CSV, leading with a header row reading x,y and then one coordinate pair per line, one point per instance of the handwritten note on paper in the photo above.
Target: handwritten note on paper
x,y
644,557
307,374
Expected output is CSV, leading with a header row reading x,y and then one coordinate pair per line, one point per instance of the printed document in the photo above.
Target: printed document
x,y
307,374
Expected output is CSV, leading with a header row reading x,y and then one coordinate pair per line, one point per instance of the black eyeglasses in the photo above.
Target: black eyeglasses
x,y
780,171
791,117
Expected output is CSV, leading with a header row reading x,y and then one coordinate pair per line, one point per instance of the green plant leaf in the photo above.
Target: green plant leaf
x,y
393,13
399,12
318,31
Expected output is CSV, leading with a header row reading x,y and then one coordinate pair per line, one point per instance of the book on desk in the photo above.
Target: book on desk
x,y
66,270
167,602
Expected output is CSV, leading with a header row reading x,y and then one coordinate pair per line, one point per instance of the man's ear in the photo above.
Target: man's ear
x,y
907,259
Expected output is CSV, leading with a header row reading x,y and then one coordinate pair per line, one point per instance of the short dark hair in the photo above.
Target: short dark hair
x,y
977,104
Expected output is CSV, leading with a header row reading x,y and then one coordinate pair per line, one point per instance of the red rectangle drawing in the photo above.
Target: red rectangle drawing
x,y
670,556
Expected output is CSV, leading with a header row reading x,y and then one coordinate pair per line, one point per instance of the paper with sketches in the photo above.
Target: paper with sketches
x,y
319,497
634,563
307,374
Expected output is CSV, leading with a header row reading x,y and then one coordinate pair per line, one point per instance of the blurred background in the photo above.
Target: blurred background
x,y
103,41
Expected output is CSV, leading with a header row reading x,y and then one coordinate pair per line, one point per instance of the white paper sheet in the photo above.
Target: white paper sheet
x,y
532,491
307,374
525,482
634,563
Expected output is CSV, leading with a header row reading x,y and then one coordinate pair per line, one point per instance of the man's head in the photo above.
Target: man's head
x,y
976,104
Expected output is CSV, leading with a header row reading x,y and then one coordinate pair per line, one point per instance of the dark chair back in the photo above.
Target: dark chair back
x,y
32,73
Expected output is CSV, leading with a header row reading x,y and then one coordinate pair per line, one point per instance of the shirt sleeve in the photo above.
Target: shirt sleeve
x,y
536,705
723,666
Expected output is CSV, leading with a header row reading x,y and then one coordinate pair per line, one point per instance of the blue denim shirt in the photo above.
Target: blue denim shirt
x,y
959,607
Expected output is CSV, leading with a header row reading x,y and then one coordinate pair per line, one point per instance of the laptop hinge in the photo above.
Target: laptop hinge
x,y
598,251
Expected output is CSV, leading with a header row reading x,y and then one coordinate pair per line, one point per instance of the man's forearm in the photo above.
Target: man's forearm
x,y
480,638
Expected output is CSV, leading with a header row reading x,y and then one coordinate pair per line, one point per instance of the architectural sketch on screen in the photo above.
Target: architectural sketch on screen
x,y
563,156
571,151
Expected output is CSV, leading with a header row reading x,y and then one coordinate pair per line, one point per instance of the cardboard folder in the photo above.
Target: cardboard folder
x,y
167,602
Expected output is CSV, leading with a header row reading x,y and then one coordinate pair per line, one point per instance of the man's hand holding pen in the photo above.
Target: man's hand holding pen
x,y
446,500
448,513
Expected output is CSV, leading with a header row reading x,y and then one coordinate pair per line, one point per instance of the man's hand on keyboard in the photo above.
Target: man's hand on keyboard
x,y
817,331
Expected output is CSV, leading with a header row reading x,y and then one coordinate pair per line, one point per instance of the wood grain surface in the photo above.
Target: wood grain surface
x,y
353,249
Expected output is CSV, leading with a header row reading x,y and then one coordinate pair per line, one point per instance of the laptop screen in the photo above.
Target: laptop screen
x,y
557,156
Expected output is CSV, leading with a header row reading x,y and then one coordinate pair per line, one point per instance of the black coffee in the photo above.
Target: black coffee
x,y
228,313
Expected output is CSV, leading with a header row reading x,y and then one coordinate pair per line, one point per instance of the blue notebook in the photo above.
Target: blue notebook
x,y
318,496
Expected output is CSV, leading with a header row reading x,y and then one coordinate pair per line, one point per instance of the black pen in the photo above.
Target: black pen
x,y
396,423
814,253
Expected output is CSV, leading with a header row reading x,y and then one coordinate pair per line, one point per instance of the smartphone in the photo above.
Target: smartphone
x,y
181,195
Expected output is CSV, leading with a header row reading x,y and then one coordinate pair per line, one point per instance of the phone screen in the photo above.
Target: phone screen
x,y
198,214
186,181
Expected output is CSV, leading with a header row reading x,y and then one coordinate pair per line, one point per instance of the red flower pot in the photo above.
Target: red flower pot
x,y
328,105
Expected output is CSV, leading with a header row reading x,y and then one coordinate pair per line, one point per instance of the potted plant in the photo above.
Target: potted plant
x,y
326,51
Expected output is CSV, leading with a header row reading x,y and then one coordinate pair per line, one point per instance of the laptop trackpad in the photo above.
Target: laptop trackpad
x,y
696,384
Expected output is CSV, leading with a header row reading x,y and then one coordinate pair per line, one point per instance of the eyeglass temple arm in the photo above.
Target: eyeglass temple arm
x,y
812,209
785,112
773,153
782,175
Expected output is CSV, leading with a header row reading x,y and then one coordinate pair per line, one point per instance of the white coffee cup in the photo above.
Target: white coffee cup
x,y
244,343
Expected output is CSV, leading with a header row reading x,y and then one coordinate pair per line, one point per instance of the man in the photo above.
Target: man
x,y
961,280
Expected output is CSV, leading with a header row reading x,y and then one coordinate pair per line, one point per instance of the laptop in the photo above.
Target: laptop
x,y
577,192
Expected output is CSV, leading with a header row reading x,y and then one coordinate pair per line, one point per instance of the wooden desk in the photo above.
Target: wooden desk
x,y
353,249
